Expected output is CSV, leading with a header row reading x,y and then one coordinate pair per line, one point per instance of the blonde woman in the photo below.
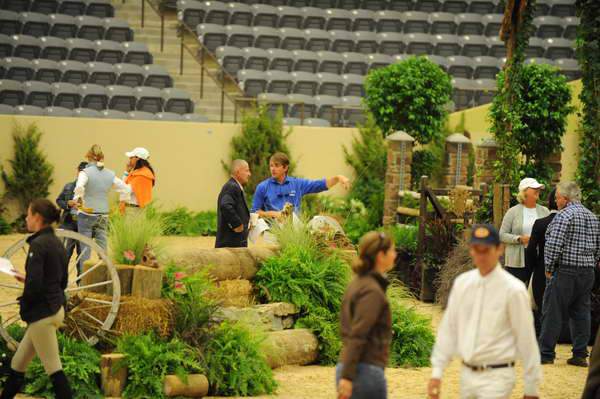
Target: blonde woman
x,y
517,225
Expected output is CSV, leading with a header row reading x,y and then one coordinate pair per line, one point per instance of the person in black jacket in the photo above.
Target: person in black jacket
x,y
233,216
69,215
534,259
592,384
42,302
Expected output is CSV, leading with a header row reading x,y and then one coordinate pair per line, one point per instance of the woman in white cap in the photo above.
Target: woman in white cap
x,y
516,227
140,177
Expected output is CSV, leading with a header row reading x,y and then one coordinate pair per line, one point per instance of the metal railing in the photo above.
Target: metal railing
x,y
157,10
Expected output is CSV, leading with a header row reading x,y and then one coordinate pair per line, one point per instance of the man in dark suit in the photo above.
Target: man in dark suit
x,y
534,258
233,216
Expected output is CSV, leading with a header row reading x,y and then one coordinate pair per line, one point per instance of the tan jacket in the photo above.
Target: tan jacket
x,y
512,229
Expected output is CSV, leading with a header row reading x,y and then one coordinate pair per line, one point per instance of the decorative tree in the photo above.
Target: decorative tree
x,y
409,96
588,53
31,174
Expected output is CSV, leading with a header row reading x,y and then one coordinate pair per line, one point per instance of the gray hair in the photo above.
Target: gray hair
x,y
569,190
236,164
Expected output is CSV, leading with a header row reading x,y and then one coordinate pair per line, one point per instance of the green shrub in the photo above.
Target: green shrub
x,y
4,226
183,222
405,236
130,233
326,325
424,163
17,332
81,364
235,363
149,360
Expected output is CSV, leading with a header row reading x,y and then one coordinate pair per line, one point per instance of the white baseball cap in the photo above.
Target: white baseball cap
x,y
530,182
139,152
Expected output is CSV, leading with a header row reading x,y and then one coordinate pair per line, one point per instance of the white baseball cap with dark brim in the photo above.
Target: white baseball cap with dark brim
x,y
530,182
139,152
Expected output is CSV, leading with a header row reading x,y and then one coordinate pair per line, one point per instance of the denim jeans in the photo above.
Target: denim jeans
x,y
568,294
369,383
92,226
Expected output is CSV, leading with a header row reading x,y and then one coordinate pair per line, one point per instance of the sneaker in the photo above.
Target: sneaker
x,y
547,361
577,361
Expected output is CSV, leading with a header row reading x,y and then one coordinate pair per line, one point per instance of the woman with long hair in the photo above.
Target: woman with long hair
x,y
140,177
42,303
366,322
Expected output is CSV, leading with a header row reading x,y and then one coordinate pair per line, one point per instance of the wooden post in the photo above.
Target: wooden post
x,y
113,376
147,282
196,387
125,273
426,293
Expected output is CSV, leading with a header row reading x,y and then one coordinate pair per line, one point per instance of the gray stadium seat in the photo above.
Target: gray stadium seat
x,y
129,75
536,48
266,38
54,48
352,113
485,89
113,114
156,76
11,92
298,3
469,24
240,14
493,23
6,46
366,42
398,5
539,61
34,24
330,84
177,101
428,5
338,19
168,116
316,122
81,50
460,67
195,118
440,61
314,18
330,62
415,22
548,26
211,36
419,43
191,12
442,23
46,71
570,25
389,21
58,111
483,6
25,46
281,60
230,58
29,110
305,83
239,36
306,61
363,20
569,67
289,17
496,47
292,121
216,12
16,5
355,63
136,53
117,30
354,85
66,95
114,52
6,109
342,41
486,67
265,15
401,57
90,28
256,58
101,73
323,3
390,43
38,94
563,8
301,106
349,4
292,39
455,6
274,102
379,61
121,98
72,7
317,40
94,97
63,26
279,82
10,23
446,45
73,72
86,113
140,115
149,99
99,8
473,46
559,48
464,91
542,7
19,69
44,6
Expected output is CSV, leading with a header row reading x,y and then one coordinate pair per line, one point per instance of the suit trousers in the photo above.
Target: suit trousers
x,y
488,384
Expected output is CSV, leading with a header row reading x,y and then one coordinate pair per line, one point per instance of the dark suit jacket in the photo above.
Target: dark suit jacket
x,y
592,385
534,257
232,211
66,218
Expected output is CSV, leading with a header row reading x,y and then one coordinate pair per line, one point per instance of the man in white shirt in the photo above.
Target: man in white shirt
x,y
488,324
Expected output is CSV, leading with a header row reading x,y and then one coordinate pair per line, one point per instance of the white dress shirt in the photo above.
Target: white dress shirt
x,y
123,189
489,321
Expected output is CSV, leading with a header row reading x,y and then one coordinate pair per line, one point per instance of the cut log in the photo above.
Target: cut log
x,y
271,317
147,282
125,273
113,374
196,387
291,347
98,275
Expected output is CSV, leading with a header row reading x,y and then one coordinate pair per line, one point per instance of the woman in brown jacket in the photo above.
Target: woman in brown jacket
x,y
366,322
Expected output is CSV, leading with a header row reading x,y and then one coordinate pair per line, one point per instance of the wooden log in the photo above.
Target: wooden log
x,y
237,293
125,273
407,211
113,375
291,347
196,387
98,275
147,282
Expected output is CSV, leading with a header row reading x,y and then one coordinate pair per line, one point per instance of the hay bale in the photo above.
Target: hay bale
x,y
238,293
291,347
458,262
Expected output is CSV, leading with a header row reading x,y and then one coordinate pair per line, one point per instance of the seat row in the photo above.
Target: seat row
x,y
82,50
219,13
95,8
233,59
120,98
75,72
213,36
92,113
64,26
559,8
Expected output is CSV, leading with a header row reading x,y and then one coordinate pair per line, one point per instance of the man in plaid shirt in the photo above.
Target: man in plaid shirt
x,y
571,253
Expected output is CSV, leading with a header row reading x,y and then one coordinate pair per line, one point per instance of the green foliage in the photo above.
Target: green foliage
x,y
236,365
326,325
261,137
31,174
424,163
368,158
130,233
588,54
183,222
409,96
405,236
4,226
149,360
81,364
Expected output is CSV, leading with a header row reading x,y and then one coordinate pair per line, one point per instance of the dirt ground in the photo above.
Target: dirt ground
x,y
560,381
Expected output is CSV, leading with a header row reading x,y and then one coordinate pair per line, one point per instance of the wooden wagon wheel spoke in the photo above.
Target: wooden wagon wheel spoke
x,y
91,316
78,259
9,320
9,303
86,287
97,301
11,286
91,269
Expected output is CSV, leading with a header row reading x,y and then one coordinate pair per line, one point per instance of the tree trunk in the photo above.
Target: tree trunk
x,y
147,282
125,273
196,387
113,376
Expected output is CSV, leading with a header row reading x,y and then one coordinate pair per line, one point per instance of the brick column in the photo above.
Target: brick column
x,y
397,175
485,157
457,160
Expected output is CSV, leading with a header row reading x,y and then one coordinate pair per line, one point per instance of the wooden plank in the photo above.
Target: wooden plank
x,y
407,211
112,377
436,204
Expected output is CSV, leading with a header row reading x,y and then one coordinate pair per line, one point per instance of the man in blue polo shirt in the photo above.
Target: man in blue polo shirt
x,y
272,194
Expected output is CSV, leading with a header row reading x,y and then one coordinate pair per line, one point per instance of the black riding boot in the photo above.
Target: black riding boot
x,y
61,385
13,384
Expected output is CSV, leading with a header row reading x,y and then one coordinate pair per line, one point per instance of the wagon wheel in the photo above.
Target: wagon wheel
x,y
85,325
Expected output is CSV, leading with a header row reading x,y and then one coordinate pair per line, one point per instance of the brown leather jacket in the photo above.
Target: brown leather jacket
x,y
366,324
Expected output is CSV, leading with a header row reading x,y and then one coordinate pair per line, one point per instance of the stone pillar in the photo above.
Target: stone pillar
x,y
554,160
486,155
397,175
457,160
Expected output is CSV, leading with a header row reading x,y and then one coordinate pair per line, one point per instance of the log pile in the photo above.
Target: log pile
x,y
139,281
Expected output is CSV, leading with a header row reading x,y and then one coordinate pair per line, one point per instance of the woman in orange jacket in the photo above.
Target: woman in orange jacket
x,y
140,177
